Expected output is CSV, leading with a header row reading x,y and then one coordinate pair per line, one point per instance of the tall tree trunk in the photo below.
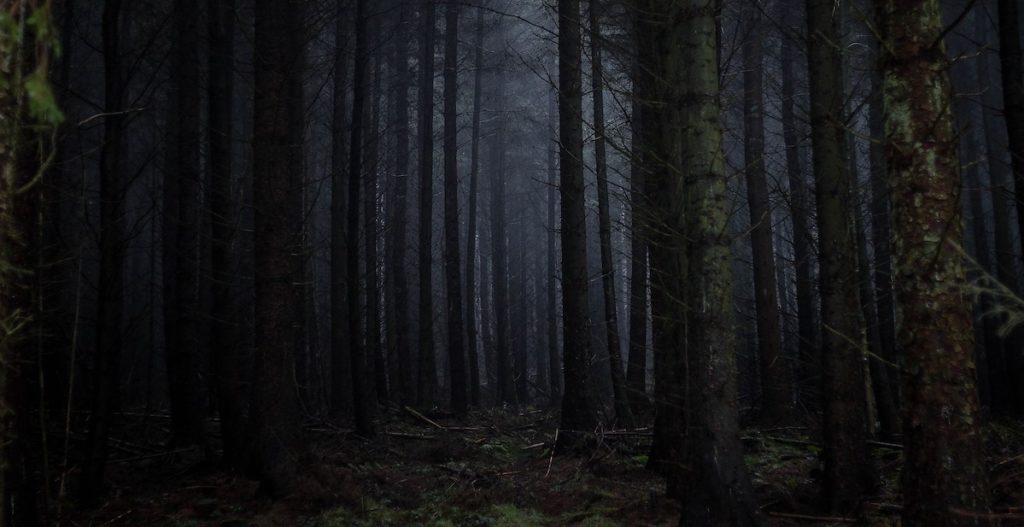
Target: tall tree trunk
x,y
471,241
277,196
181,234
30,117
577,412
364,399
1001,359
941,420
374,350
554,359
341,354
636,371
809,360
427,382
452,265
847,476
504,389
718,490
225,328
403,387
776,401
1012,60
623,412
110,288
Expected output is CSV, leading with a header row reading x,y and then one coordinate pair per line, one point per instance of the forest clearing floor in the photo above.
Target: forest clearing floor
x,y
492,468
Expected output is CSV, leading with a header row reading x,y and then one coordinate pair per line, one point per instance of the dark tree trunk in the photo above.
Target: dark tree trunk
x,y
623,412
471,241
341,354
403,387
636,371
776,385
224,308
427,382
945,477
554,359
847,476
364,399
374,349
803,257
577,412
110,288
504,389
452,266
277,196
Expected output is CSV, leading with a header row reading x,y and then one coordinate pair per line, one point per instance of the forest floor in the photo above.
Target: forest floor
x,y
494,468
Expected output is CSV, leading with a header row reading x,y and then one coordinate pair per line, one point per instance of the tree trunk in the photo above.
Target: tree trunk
x,y
577,412
364,399
371,230
776,400
225,329
452,265
847,476
504,389
636,371
341,354
941,419
471,242
403,387
110,288
718,489
554,359
623,412
277,258
809,360
427,383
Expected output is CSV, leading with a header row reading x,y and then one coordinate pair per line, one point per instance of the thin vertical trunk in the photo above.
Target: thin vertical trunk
x,y
277,194
623,412
577,412
847,476
427,382
223,212
504,389
636,371
471,241
776,401
554,359
110,288
341,354
941,422
374,350
364,400
809,361
452,266
403,387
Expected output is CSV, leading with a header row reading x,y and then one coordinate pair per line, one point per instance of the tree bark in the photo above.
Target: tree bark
x,y
452,260
278,261
554,358
427,383
847,476
577,412
945,477
636,371
371,229
623,411
471,236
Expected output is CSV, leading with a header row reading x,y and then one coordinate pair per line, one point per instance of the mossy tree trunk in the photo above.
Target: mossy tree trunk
x,y
944,479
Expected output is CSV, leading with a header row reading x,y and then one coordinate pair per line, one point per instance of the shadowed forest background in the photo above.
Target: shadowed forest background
x,y
502,262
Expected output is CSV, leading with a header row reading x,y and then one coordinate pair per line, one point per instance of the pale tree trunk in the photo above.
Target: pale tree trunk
x,y
471,238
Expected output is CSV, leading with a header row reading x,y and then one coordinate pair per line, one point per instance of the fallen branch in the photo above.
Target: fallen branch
x,y
402,435
552,458
807,517
424,418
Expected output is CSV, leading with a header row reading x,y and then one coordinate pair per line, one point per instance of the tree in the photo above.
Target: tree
x,y
427,381
223,216
847,476
471,241
554,360
944,480
181,222
30,116
504,391
717,489
452,261
109,310
577,412
776,401
277,198
364,400
636,371
623,412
